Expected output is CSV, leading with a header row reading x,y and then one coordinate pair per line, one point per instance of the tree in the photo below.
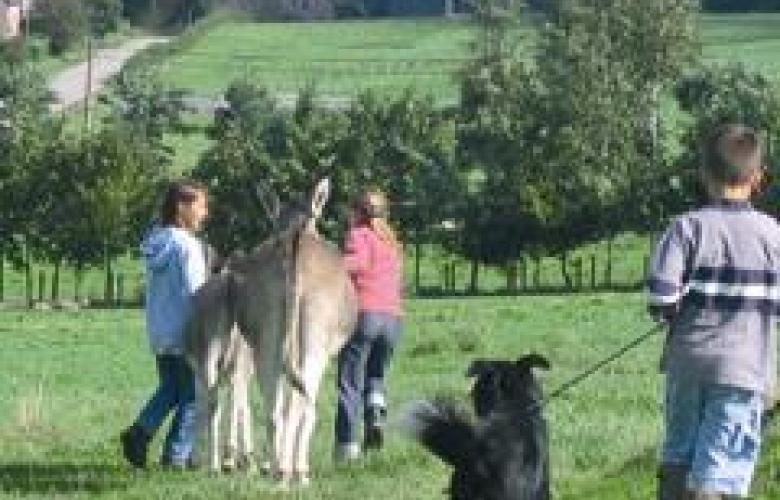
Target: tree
x,y
104,16
65,22
117,184
246,134
716,95
562,143
26,127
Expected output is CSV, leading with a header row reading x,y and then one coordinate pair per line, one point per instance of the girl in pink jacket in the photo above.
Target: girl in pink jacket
x,y
373,257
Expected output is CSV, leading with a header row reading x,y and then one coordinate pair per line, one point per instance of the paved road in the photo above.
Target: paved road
x,y
69,86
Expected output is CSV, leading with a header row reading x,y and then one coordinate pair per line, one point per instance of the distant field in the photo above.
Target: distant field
x,y
753,39
338,57
389,55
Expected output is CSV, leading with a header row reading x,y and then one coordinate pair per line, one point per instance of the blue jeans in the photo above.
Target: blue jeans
x,y
362,365
176,390
715,430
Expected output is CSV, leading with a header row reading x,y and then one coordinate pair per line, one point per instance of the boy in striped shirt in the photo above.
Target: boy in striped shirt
x,y
715,279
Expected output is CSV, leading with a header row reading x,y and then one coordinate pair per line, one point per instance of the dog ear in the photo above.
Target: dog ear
x,y
478,367
533,361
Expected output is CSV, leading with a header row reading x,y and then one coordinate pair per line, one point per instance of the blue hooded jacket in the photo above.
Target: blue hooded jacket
x,y
175,270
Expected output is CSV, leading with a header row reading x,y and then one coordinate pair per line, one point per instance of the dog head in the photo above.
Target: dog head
x,y
499,382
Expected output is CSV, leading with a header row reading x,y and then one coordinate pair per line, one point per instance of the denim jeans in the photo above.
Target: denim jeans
x,y
715,430
362,365
176,391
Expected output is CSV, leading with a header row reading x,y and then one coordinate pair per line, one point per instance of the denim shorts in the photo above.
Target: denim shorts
x,y
715,430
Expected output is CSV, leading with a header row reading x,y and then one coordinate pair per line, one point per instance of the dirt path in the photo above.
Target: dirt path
x,y
68,87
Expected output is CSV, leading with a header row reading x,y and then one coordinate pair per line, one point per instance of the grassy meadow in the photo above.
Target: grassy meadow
x,y
341,58
71,381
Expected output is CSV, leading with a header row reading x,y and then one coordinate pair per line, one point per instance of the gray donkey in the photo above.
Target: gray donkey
x,y
291,305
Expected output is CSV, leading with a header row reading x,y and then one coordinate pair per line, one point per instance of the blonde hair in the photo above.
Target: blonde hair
x,y
373,209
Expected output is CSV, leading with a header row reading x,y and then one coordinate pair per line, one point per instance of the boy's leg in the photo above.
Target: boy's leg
x,y
351,370
728,442
179,442
682,416
375,413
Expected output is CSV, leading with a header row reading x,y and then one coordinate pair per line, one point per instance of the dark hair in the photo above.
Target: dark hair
x,y
732,154
181,191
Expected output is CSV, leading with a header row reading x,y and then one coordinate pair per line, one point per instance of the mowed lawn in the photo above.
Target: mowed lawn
x,y
341,58
70,381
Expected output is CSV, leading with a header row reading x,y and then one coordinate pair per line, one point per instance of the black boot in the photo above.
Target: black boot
x,y
135,442
373,428
672,481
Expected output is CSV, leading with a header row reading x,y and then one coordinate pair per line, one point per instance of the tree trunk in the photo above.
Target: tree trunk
x,y
108,295
565,271
537,272
578,273
2,275
28,280
452,276
474,279
448,11
511,277
120,289
41,285
55,281
608,270
77,278
417,257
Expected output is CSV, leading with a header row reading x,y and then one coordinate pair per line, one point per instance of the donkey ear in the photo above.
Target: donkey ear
x,y
478,367
269,201
533,361
320,197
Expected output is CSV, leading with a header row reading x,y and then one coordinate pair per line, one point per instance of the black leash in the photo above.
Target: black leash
x,y
593,369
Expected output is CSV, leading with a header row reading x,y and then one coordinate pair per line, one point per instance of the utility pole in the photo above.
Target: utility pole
x,y
88,86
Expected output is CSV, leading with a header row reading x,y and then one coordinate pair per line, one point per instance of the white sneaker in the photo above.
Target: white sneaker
x,y
346,452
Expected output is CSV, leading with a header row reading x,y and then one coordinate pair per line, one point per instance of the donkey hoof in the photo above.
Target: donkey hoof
x,y
302,478
246,463
266,468
229,465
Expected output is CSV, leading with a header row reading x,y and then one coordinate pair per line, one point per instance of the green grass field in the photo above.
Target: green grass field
x,y
70,381
388,55
339,57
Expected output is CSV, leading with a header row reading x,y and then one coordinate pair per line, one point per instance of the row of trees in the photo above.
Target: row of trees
x,y
72,197
597,133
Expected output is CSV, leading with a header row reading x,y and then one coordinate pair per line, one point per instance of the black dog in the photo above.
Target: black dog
x,y
504,455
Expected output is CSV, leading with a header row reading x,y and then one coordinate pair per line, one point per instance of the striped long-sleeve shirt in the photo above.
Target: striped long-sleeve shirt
x,y
720,265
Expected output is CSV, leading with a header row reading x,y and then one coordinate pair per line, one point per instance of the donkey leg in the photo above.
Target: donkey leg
x,y
287,430
214,412
244,417
231,452
313,370
271,380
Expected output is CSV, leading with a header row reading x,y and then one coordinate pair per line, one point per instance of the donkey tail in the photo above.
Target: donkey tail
x,y
292,320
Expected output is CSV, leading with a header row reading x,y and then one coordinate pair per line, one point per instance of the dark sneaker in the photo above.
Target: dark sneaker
x,y
135,441
373,438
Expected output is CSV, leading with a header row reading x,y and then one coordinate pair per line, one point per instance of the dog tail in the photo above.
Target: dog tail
x,y
444,428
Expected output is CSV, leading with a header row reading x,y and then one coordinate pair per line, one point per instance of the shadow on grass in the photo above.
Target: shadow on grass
x,y
38,478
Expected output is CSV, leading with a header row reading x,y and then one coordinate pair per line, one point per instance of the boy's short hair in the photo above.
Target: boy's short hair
x,y
732,154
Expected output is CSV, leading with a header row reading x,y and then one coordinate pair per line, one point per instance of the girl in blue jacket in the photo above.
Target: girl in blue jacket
x,y
175,270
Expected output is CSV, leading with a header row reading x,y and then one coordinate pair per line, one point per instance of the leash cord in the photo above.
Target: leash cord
x,y
593,369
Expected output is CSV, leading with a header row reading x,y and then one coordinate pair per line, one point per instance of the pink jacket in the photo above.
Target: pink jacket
x,y
375,268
